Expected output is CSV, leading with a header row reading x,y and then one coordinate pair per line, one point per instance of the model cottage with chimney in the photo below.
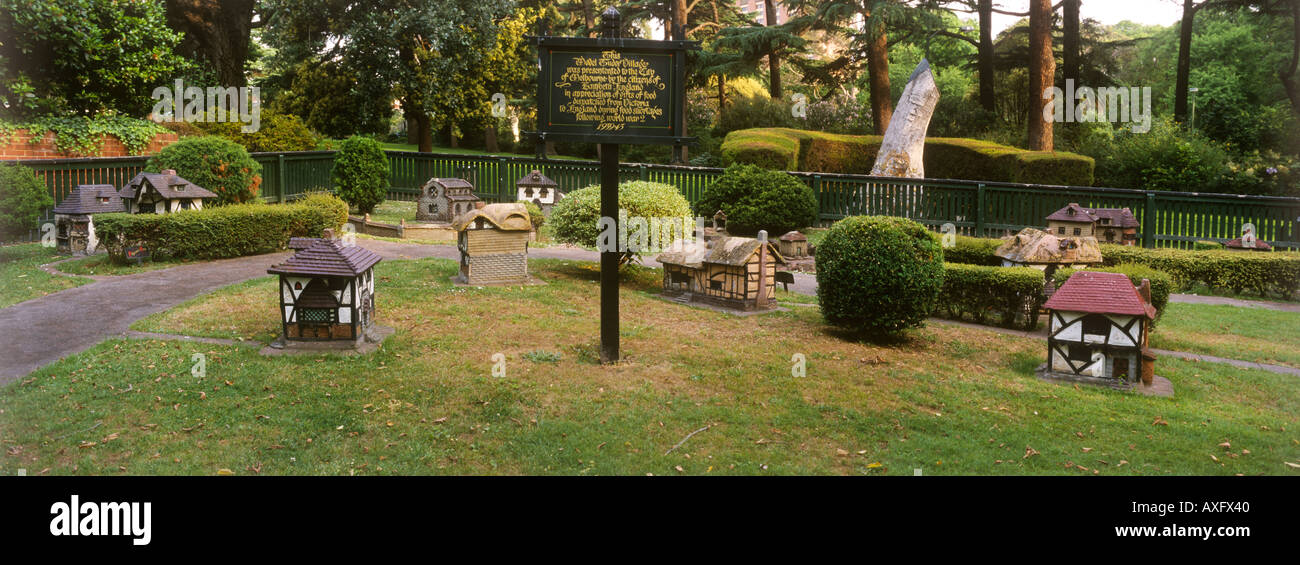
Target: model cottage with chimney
x,y
74,221
160,193
493,244
733,272
445,199
1109,225
1098,331
327,290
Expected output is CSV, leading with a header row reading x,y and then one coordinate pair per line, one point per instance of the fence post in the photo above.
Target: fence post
x,y
643,172
280,175
979,210
504,194
1149,221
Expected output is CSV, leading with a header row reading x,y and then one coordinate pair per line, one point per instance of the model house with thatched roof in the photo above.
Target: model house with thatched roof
x,y
733,272
160,193
493,244
1098,330
445,199
74,221
1041,250
1111,225
327,290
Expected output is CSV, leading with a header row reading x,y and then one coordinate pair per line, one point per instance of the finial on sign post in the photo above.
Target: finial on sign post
x,y
610,22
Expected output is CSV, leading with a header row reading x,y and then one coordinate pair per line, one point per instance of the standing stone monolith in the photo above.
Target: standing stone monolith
x,y
903,147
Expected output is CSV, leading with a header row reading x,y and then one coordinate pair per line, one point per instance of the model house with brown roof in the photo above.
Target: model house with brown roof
x,y
160,193
445,199
1098,330
327,290
74,222
540,190
732,272
493,244
1108,225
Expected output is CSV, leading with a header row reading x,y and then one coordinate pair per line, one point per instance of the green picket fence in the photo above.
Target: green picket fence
x,y
985,209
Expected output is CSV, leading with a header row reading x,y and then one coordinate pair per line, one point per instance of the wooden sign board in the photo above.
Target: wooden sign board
x,y
611,90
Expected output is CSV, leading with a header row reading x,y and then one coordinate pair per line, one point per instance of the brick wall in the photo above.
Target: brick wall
x,y
505,267
20,147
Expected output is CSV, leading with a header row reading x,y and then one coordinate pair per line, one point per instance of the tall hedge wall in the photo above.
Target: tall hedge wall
x,y
969,159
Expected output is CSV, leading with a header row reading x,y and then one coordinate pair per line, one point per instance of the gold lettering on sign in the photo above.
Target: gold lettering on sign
x,y
611,91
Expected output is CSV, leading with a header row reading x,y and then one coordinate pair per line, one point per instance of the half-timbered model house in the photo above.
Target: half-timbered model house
x,y
327,290
445,199
1111,225
160,193
493,244
540,190
732,272
74,223
1098,330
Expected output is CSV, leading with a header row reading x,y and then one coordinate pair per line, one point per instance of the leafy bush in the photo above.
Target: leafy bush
x,y
1165,158
332,205
576,219
878,274
1206,245
970,159
219,165
841,114
22,198
1012,295
361,173
1238,271
1162,284
276,132
534,214
974,251
755,199
745,112
216,233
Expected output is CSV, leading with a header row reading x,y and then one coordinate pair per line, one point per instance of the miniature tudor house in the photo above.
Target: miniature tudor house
x,y
733,272
1098,330
493,243
1110,225
1047,252
540,190
445,199
327,290
793,244
160,193
74,222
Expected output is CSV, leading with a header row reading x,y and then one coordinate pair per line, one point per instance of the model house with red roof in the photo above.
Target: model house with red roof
x,y
1098,330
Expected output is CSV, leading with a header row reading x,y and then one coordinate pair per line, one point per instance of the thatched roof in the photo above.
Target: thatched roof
x,y
1037,247
507,216
732,251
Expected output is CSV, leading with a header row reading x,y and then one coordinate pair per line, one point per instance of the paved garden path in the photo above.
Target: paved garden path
x,y
46,329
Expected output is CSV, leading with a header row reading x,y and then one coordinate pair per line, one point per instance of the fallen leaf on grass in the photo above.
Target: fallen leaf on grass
x,y
1160,421
1029,452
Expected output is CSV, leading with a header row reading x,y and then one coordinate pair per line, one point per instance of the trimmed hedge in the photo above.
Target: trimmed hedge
x,y
970,159
215,233
878,274
1162,284
1011,296
1262,273
974,251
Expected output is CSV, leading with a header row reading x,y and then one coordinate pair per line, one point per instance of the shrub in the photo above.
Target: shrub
x,y
334,206
1206,245
576,219
754,198
969,159
1238,271
1162,284
534,214
23,196
276,132
1165,158
745,112
878,274
361,173
214,233
1012,295
219,165
974,251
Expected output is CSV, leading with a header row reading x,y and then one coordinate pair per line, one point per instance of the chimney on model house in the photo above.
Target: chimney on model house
x,y
1144,289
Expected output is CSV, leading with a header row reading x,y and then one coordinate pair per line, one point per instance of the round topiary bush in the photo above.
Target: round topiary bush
x,y
576,219
219,165
361,173
22,197
754,198
878,274
335,207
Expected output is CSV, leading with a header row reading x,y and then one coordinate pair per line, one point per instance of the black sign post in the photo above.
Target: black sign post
x,y
610,91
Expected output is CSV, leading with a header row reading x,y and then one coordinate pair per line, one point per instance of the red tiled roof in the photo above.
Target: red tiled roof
x,y
329,258
1260,245
1100,293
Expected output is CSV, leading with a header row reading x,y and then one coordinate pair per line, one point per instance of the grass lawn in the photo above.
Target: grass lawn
x,y
947,400
101,265
22,276
393,212
1251,334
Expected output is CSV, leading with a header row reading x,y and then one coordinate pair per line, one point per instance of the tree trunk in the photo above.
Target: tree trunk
x,y
903,147
773,60
490,138
215,31
882,107
1070,39
451,136
1042,73
987,101
589,18
1288,75
424,133
412,130
680,155
1184,61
